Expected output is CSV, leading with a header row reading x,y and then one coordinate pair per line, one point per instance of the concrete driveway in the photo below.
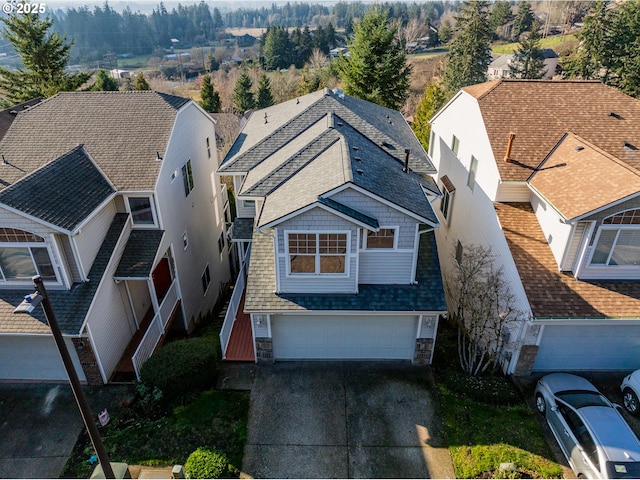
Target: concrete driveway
x,y
344,420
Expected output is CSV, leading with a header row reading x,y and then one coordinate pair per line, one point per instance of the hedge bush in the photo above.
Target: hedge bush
x,y
206,463
180,368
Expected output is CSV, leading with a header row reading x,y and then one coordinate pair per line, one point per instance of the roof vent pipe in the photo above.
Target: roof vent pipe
x,y
330,121
507,155
407,152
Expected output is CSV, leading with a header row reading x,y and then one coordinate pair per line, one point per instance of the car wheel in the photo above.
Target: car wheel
x,y
630,401
541,404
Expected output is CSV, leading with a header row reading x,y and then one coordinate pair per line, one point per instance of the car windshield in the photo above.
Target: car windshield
x,y
582,398
623,469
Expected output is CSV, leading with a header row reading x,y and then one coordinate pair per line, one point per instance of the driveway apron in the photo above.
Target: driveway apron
x,y
344,420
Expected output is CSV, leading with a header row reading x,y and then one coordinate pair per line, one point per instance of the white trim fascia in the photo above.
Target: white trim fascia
x,y
133,310
565,250
36,219
610,205
414,260
66,281
381,200
76,254
419,329
44,334
580,260
357,254
587,321
97,355
270,335
311,206
102,280
435,337
276,255
94,213
378,313
446,105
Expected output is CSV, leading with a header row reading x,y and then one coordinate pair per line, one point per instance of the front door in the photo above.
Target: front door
x,y
162,279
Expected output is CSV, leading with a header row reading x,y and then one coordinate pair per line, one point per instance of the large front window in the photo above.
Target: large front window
x,y
23,255
141,210
317,253
619,245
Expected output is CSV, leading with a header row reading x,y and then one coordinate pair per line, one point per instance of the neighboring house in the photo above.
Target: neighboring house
x,y
500,66
343,261
547,174
110,197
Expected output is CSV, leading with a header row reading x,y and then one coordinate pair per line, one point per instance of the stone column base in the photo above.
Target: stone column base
x,y
264,350
88,360
422,352
527,358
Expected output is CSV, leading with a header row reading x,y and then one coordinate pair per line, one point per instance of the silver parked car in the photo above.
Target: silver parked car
x,y
592,434
631,392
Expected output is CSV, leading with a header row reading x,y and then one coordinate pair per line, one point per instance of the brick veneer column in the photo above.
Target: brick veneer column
x,y
264,350
422,352
88,360
527,358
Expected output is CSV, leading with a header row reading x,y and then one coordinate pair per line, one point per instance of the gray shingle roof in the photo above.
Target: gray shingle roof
x,y
242,229
121,131
139,254
8,115
70,306
426,295
63,192
381,125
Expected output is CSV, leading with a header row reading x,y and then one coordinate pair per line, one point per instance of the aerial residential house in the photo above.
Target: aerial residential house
x,y
110,197
547,174
335,224
500,66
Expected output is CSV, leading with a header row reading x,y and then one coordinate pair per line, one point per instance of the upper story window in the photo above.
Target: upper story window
x,y
473,168
455,145
206,279
187,177
432,140
317,253
447,197
459,252
618,241
141,210
208,148
384,238
23,255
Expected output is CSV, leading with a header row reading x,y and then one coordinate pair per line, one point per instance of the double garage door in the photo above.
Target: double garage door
x,y
589,347
312,337
34,358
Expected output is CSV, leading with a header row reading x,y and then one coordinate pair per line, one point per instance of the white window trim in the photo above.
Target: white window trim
x,y
455,145
209,282
29,245
475,173
608,226
396,230
184,170
185,241
153,211
347,259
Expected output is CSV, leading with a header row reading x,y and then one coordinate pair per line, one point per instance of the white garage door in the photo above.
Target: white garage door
x,y
585,347
34,358
348,337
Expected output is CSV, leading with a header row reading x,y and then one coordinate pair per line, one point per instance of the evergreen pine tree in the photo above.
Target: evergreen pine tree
x,y
44,56
528,59
141,82
210,99
434,97
523,20
128,85
105,83
376,68
265,97
470,53
243,98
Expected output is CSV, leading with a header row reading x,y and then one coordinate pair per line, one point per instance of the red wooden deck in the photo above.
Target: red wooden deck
x,y
240,347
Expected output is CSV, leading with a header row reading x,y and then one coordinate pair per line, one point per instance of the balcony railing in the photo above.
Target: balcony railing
x,y
234,303
156,329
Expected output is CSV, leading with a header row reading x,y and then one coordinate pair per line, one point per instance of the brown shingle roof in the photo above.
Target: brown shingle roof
x,y
541,112
554,294
121,131
578,178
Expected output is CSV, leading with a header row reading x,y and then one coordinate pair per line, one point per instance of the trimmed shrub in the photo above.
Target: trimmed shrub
x,y
206,463
181,368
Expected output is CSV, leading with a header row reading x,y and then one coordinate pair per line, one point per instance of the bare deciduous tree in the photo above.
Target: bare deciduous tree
x,y
485,309
412,31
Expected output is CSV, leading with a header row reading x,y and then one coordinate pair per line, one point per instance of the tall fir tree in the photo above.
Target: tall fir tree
x,y
470,52
528,59
500,16
376,68
141,82
435,96
243,98
210,99
523,20
104,82
44,56
264,97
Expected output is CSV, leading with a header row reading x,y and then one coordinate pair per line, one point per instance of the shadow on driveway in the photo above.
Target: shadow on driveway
x,y
345,420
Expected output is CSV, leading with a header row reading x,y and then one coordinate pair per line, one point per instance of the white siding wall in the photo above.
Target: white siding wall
x,y
513,192
557,233
576,242
90,238
196,213
241,210
317,219
140,297
110,320
261,330
473,219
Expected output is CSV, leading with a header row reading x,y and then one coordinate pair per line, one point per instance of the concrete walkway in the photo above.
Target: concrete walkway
x,y
344,420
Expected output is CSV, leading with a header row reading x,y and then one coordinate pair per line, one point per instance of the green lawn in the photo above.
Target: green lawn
x,y
549,42
132,63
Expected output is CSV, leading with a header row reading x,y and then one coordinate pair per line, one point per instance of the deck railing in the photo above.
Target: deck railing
x,y
156,328
234,303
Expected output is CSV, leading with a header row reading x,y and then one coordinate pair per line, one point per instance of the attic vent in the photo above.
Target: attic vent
x,y
387,144
358,159
615,115
630,146
340,124
13,112
360,171
355,149
579,148
389,120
